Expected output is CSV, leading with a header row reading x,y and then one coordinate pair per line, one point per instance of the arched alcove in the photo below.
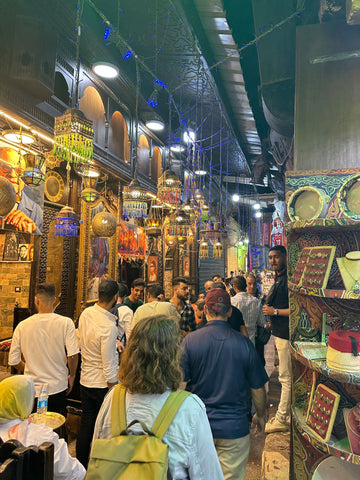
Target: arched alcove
x,y
61,89
92,106
143,156
156,164
119,137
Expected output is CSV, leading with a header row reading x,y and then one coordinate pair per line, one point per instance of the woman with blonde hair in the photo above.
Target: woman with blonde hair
x,y
17,395
150,370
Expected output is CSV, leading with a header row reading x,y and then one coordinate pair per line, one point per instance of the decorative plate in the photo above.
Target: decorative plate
x,y
54,186
306,203
349,198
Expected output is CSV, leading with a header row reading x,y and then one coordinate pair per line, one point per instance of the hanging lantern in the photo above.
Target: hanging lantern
x,y
134,201
32,175
178,227
169,188
74,135
199,196
204,212
89,194
217,249
153,221
204,249
7,196
104,224
66,223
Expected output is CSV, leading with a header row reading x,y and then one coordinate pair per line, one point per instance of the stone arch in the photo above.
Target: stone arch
x,y
61,89
92,106
119,137
156,169
143,165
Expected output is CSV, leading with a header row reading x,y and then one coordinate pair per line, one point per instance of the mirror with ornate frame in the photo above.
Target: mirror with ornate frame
x,y
97,255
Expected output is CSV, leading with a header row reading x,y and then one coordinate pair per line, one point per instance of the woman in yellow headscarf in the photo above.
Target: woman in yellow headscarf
x,y
17,395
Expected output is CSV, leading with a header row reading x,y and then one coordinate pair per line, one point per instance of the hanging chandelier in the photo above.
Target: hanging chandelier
x,y
169,188
217,249
66,223
204,249
154,220
178,227
74,135
134,201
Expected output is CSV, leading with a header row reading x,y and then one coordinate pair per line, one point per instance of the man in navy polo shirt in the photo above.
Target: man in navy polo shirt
x,y
219,365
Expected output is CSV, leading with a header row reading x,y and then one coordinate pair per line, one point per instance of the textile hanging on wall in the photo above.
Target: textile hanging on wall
x,y
131,242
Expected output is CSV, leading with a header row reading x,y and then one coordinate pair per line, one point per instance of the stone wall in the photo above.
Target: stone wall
x,y
12,274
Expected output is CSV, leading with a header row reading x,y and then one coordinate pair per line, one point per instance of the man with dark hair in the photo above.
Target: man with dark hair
x,y
277,308
179,300
134,301
235,320
219,364
217,278
124,316
47,341
155,307
249,306
100,361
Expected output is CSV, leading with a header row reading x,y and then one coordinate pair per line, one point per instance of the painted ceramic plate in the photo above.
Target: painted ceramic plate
x,y
306,203
349,198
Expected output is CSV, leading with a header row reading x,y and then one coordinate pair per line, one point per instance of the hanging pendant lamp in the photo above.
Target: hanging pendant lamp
x,y
134,201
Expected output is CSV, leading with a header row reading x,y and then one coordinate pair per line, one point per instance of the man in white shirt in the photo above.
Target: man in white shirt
x,y
100,361
249,306
154,307
124,316
47,341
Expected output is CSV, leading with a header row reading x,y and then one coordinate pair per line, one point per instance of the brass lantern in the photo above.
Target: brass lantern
x,y
104,224
169,188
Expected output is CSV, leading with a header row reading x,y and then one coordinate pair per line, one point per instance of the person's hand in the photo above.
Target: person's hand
x,y
268,310
71,379
258,423
119,346
21,221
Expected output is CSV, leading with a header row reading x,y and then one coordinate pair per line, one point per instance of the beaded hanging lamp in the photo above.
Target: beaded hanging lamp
x,y
134,201
66,220
74,135
169,188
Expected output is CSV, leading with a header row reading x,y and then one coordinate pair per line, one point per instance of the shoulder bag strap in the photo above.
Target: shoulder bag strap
x,y
118,410
168,412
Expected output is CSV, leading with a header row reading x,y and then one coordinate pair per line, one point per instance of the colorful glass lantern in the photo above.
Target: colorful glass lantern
x,y
218,249
178,226
74,135
169,188
89,194
104,224
134,201
153,221
32,174
204,249
66,223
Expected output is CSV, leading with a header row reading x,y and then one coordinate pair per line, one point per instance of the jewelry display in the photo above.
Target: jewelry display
x,y
322,411
313,267
349,267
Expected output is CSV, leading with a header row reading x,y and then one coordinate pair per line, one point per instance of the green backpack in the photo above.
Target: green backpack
x,y
128,456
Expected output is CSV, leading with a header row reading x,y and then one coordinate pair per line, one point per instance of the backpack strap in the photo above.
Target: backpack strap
x,y
168,412
118,410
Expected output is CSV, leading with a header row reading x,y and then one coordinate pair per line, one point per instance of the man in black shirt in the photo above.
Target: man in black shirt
x,y
277,307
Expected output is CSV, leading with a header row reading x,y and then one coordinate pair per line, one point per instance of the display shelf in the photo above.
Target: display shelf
x,y
321,367
333,447
324,292
322,224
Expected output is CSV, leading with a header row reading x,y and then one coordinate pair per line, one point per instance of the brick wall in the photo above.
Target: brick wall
x,y
12,274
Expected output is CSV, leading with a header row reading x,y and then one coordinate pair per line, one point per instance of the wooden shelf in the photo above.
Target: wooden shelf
x,y
324,292
321,367
330,448
322,224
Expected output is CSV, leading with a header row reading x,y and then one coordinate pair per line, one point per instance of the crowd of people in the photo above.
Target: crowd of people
x,y
207,346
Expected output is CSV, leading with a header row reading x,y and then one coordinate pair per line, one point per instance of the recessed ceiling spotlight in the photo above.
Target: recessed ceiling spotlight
x,y
105,69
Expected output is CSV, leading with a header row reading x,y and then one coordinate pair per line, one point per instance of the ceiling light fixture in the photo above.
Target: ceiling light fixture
x,y
177,148
256,206
258,214
105,69
155,125
200,172
236,197
189,136
18,136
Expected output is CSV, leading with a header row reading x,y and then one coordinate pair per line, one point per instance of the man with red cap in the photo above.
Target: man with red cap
x,y
219,365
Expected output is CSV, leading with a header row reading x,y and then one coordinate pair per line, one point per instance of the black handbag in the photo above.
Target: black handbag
x,y
262,335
